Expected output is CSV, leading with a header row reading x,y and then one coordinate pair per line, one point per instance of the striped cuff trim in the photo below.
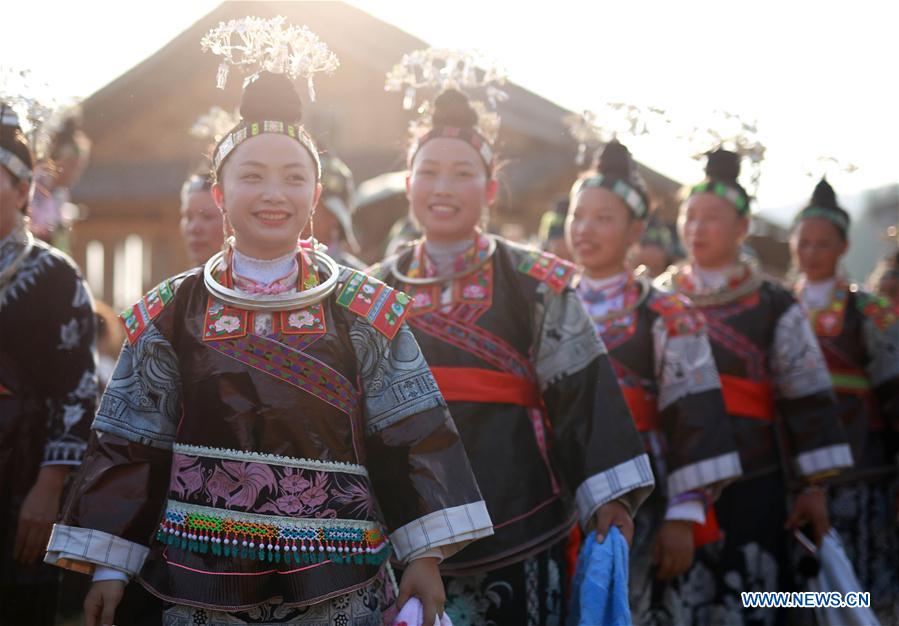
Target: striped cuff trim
x,y
83,549
452,529
823,459
612,484
704,473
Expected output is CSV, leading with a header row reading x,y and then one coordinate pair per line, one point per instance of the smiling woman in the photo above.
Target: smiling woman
x,y
268,185
529,383
249,462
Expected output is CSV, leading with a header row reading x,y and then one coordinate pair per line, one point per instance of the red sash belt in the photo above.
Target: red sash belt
x,y
644,408
748,398
473,384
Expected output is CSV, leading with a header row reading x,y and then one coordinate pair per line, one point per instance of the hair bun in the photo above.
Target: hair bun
x,y
9,119
824,195
615,161
271,97
723,165
452,108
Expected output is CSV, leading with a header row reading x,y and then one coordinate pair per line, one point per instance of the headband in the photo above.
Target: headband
x,y
253,129
623,189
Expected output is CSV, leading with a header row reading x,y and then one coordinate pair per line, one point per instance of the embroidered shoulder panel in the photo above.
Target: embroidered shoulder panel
x,y
136,318
680,317
877,309
548,268
382,306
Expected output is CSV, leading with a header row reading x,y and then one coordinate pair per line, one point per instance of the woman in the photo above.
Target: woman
x,y
202,226
660,351
777,393
48,386
655,250
859,335
283,424
529,385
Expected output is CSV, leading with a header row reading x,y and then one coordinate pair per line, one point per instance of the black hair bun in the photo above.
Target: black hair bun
x,y
271,97
615,161
452,108
824,195
11,136
723,165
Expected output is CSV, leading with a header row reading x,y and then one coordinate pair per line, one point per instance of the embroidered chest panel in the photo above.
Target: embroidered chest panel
x,y
740,332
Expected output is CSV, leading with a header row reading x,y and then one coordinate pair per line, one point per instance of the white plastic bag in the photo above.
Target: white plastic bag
x,y
837,574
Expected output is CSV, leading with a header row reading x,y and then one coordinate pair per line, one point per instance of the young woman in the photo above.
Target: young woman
x,y
859,335
202,226
778,394
48,387
660,351
527,381
271,429
654,251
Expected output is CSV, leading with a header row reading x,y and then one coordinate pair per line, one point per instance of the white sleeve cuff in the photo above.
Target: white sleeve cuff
x,y
689,511
448,529
85,549
832,457
630,482
108,573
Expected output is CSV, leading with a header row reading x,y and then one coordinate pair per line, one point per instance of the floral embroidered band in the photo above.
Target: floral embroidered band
x,y
260,506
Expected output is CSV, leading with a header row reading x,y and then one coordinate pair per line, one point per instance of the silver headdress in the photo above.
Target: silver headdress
x,y
728,131
434,70
613,120
214,124
256,45
36,111
827,165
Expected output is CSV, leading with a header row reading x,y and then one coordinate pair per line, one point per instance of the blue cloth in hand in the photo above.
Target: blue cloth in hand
x,y
599,587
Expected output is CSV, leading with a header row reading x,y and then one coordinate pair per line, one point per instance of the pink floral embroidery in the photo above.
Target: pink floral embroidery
x,y
301,319
290,504
227,324
422,299
358,497
293,482
316,494
187,475
220,485
239,483
474,292
263,488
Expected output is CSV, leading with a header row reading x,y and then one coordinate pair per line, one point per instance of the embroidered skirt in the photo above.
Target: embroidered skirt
x,y
527,593
755,555
371,605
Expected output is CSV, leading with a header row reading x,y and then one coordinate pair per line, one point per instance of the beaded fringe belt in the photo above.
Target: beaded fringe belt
x,y
271,538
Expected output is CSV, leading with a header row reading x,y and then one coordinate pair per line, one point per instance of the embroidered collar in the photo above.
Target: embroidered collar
x,y
828,320
599,291
422,272
633,287
741,279
471,286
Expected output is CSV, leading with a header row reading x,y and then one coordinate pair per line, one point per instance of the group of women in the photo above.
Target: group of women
x,y
283,430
